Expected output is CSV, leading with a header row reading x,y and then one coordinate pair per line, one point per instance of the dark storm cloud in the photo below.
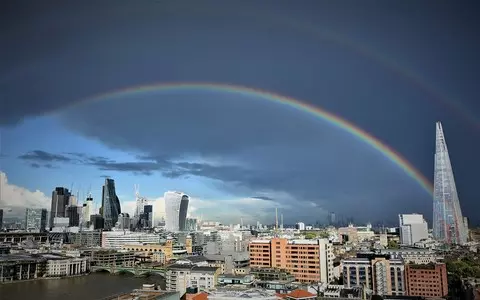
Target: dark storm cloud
x,y
42,156
261,197
247,146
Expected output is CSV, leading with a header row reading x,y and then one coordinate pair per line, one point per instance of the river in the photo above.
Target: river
x,y
91,287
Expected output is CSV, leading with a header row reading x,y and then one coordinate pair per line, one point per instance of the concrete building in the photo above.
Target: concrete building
x,y
414,256
19,267
380,274
58,266
151,249
35,220
118,239
179,277
428,280
307,260
112,258
60,199
88,239
235,263
413,228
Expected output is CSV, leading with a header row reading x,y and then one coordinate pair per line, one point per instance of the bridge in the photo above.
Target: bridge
x,y
136,270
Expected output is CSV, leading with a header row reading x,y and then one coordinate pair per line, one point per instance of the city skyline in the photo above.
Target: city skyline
x,y
341,118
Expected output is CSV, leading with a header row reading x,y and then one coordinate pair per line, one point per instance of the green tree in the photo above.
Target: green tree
x,y
310,235
393,244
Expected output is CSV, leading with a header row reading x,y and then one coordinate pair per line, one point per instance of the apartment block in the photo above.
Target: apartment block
x,y
427,280
382,275
307,260
179,277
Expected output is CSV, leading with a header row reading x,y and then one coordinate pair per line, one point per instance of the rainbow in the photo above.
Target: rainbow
x,y
322,114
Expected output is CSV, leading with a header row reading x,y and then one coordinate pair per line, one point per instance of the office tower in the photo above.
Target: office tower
x,y
60,197
72,200
123,221
331,219
35,220
110,204
1,219
148,216
176,206
448,223
413,228
87,211
97,221
73,216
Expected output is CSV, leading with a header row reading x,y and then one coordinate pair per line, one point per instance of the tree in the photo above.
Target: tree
x,y
393,244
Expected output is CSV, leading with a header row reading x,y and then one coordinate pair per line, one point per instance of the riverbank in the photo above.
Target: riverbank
x,y
94,286
44,278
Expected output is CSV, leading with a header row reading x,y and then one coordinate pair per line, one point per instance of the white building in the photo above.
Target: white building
x,y
59,266
180,276
300,226
176,206
413,228
117,239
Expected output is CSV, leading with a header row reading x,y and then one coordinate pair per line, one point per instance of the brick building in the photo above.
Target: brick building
x,y
307,260
428,280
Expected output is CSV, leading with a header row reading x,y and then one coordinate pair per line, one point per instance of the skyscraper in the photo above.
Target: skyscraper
x,y
1,219
35,220
448,223
413,228
110,204
60,198
176,207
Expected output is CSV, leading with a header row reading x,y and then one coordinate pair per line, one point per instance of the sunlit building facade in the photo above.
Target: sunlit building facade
x,y
448,223
110,204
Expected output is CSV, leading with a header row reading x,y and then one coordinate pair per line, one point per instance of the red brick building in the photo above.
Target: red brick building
x,y
429,281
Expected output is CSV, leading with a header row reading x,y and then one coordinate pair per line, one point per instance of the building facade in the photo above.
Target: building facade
x,y
118,239
382,275
35,220
60,267
176,207
427,280
110,204
448,223
307,260
413,228
60,199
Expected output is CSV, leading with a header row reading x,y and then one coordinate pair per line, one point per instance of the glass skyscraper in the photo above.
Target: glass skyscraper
x,y
110,204
60,198
176,207
35,220
448,223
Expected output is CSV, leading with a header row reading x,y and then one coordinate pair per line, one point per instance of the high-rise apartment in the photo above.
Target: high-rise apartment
x,y
110,204
35,220
176,207
307,260
60,198
413,228
448,223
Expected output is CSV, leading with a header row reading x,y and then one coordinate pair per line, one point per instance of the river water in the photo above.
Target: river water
x,y
91,287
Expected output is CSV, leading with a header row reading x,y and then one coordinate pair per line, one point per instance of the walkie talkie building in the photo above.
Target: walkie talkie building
x,y
448,222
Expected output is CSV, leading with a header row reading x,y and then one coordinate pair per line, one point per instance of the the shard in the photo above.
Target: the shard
x,y
448,223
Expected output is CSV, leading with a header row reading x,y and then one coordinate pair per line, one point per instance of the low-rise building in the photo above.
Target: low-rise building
x,y
19,267
150,249
179,277
112,258
59,266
